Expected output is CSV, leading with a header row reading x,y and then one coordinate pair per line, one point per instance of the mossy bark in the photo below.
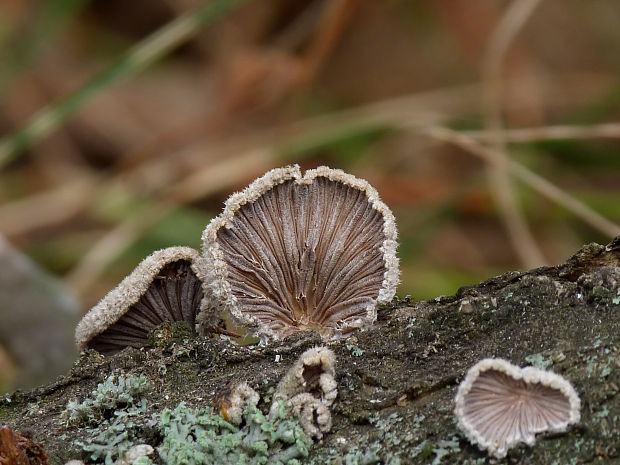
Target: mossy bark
x,y
397,380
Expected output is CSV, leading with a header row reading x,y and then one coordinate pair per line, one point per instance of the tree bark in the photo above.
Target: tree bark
x,y
396,380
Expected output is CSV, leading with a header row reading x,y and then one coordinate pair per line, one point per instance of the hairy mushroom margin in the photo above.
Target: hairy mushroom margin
x,y
165,287
297,252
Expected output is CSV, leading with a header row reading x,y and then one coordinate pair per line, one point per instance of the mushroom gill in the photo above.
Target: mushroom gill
x,y
164,287
295,252
499,405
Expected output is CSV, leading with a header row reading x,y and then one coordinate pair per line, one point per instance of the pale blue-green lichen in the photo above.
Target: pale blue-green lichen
x,y
109,395
190,436
113,415
195,437
355,350
389,443
538,361
410,325
114,437
359,457
144,460
479,461
445,448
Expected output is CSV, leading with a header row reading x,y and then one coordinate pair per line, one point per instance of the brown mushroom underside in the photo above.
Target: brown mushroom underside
x,y
305,256
174,295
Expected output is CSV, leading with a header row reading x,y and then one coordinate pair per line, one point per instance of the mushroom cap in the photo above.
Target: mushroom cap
x,y
293,252
314,416
232,399
499,405
308,389
314,374
165,287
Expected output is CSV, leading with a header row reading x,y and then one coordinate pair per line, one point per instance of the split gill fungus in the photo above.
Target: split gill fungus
x,y
295,252
499,405
288,253
308,390
165,287
233,398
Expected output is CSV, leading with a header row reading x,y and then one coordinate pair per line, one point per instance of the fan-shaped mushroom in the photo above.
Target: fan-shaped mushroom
x,y
499,405
164,287
293,252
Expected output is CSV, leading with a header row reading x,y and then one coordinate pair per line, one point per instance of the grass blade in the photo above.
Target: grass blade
x,y
132,62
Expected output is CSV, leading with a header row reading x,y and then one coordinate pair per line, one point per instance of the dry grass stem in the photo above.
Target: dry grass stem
x,y
524,135
112,245
136,59
413,111
509,26
48,208
535,181
336,16
207,181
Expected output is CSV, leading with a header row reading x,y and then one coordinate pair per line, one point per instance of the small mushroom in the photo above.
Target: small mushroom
x,y
132,455
164,287
308,390
232,399
314,416
499,405
293,252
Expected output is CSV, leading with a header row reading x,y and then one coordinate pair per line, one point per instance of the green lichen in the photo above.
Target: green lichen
x,y
480,461
602,413
114,419
445,448
409,326
113,415
144,460
386,425
196,437
116,436
114,392
355,351
358,457
538,361
387,443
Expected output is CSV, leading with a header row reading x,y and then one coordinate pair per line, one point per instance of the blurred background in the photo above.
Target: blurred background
x,y
489,127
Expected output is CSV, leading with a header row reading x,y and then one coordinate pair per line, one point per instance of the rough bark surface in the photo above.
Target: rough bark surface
x,y
397,381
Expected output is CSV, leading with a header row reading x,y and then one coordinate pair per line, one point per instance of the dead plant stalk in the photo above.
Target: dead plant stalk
x,y
535,181
510,25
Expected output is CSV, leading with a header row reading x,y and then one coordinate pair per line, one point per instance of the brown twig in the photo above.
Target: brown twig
x,y
48,208
509,26
335,18
535,181
414,111
523,135
206,181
